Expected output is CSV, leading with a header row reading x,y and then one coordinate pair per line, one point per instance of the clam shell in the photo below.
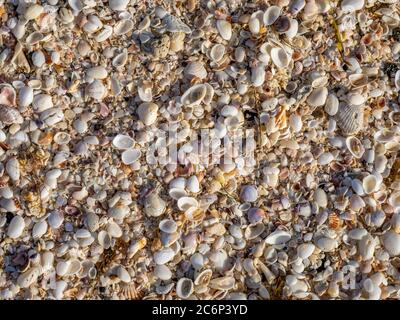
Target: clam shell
x,y
184,288
33,11
104,239
9,115
130,156
254,25
118,62
293,28
370,184
217,52
16,227
177,193
271,15
154,206
147,113
39,229
248,193
123,142
280,58
34,38
258,75
163,256
98,72
203,277
391,243
162,272
96,90
305,250
352,5
175,25
326,244
123,27
318,97
394,200
194,95
25,96
13,169
29,277
118,5
42,102
225,29
355,147
186,203
350,119
195,69
168,226
103,34
331,105
192,184
278,237
222,283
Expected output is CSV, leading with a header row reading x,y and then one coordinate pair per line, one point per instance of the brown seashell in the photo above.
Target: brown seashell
x,y
334,221
350,119
45,138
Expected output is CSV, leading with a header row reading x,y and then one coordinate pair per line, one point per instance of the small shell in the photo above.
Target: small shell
x,y
96,90
352,5
196,69
162,272
350,119
34,38
326,244
280,58
194,95
118,5
25,96
7,95
29,277
278,237
317,97
123,26
217,52
186,203
355,147
123,142
62,138
225,29
203,278
258,75
254,25
321,198
391,243
192,184
147,113
130,156
33,12
370,184
39,229
271,15
9,115
98,72
118,62
168,226
305,250
16,227
104,239
184,288
175,25
223,283
248,193
394,200
331,105
163,256
13,169
154,206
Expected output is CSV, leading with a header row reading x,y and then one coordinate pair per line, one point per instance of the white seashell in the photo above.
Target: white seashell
x,y
293,29
103,34
223,283
397,80
123,142
325,158
350,119
13,169
352,5
119,212
76,5
98,72
177,193
321,198
326,244
130,156
391,243
240,54
39,229
258,75
394,200
28,278
355,147
16,227
62,268
114,230
192,184
25,96
118,5
168,226
55,219
147,112
19,30
38,59
104,239
162,272
154,206
96,90
194,95
278,237
271,15
357,234
174,24
34,38
47,260
184,288
370,184
59,289
196,69
42,102
280,58
356,202
123,274
248,193
217,52
305,250
358,187
331,105
254,25
186,203
318,97
356,99
119,61
33,12
62,138
52,116
225,29
163,256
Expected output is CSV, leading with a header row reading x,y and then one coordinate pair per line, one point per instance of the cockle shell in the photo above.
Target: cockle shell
x,y
225,29
350,119
355,147
194,95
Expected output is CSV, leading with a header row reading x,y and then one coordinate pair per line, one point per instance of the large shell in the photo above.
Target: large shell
x,y
350,119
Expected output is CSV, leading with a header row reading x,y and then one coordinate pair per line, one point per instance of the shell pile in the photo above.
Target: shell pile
x,y
95,201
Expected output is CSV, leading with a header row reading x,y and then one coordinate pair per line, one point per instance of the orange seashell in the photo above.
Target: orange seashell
x,y
45,138
334,221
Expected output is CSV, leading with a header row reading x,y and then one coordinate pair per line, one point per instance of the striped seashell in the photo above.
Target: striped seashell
x,y
9,115
350,119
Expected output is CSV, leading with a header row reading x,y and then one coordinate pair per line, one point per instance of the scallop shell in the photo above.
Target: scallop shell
x,y
280,58
355,147
123,142
225,29
271,15
194,95
350,119
184,288
196,69
9,115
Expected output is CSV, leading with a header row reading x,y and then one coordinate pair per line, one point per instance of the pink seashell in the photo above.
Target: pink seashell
x,y
7,95
104,111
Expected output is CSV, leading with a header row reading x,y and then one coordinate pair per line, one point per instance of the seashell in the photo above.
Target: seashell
x,y
186,203
355,99
358,80
96,90
103,35
147,113
253,231
222,283
240,54
28,278
355,147
55,219
255,215
394,200
293,28
130,156
370,184
39,229
7,95
305,250
350,119
33,12
104,239
209,94
280,58
321,198
217,52
282,24
225,29
391,243
175,25
271,15
331,104
184,288
98,72
203,277
254,25
9,115
196,69
325,158
366,247
357,234
318,97
19,30
197,261
25,96
76,5
13,169
192,184
168,226
352,5
397,80
258,75
356,202
123,142
154,206
326,244
162,272
384,135
42,102
62,138
357,186
38,59
34,38
118,5
16,227
118,62
177,193
92,221
145,91
278,237
163,256
123,27
194,95
123,274
248,193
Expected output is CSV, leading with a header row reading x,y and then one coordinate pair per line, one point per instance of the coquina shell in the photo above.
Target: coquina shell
x,y
350,119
